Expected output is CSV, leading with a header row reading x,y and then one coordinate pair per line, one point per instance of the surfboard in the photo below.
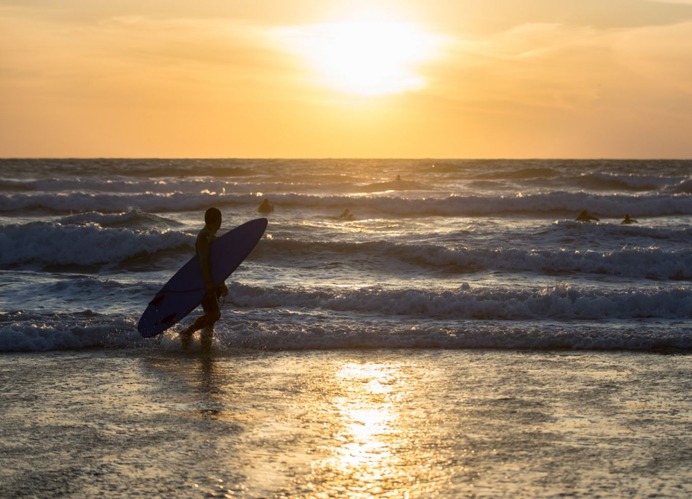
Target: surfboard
x,y
184,291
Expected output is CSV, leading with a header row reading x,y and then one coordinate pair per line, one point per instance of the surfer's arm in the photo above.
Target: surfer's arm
x,y
203,250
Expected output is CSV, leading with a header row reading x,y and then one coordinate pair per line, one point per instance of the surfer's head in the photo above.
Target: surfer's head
x,y
212,218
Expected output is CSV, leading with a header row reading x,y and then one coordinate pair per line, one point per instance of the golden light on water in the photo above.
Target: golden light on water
x,y
368,420
368,461
354,427
344,424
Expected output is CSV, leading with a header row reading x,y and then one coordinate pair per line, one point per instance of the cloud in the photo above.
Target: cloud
x,y
122,57
539,64
659,56
554,65
684,2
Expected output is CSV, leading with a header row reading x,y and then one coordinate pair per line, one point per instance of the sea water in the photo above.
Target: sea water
x,y
455,334
416,423
432,254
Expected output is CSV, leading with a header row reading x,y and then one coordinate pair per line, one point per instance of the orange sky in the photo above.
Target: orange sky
x,y
321,78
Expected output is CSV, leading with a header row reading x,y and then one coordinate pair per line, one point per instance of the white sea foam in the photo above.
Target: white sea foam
x,y
44,332
559,302
549,204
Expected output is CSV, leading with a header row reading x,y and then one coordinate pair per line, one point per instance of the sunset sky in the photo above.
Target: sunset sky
x,y
346,78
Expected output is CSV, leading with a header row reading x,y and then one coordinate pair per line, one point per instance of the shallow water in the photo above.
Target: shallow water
x,y
416,423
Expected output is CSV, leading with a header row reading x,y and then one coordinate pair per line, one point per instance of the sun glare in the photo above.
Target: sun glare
x,y
365,57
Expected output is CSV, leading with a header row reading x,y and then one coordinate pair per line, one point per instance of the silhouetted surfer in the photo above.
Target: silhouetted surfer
x,y
346,215
210,301
584,216
628,220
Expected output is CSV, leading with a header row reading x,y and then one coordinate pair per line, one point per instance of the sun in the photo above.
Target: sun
x,y
365,57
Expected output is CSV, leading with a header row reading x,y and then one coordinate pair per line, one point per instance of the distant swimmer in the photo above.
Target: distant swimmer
x,y
265,207
346,215
628,220
584,216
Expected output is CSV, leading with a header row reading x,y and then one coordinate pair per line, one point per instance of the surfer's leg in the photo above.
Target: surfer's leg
x,y
212,313
199,323
206,337
186,341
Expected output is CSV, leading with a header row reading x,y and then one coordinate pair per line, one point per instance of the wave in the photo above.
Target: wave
x,y
684,186
10,185
22,332
54,244
130,185
635,262
134,240
522,173
592,177
548,204
129,219
620,182
561,302
36,332
394,185
147,168
105,203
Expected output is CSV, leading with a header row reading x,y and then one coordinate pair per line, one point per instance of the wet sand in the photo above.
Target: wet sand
x,y
394,423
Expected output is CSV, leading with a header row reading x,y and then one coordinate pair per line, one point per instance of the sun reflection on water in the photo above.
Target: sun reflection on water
x,y
369,428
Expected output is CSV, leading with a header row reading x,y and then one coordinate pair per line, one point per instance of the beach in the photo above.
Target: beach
x,y
357,423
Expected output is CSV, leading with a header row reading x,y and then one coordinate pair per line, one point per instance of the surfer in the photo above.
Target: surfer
x,y
265,207
584,216
210,301
346,215
628,220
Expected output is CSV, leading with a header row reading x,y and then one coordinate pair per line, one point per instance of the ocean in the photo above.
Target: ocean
x,y
441,275
438,254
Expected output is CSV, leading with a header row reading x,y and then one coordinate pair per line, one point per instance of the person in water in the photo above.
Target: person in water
x,y
346,215
265,207
210,301
628,220
585,217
